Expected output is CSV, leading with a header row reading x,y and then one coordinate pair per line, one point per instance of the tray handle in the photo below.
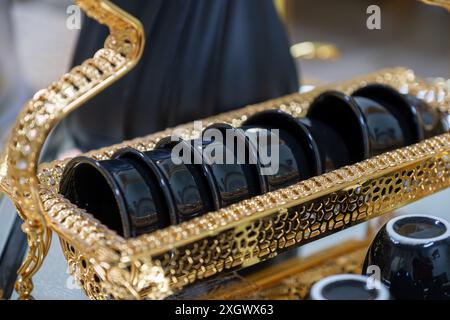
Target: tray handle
x,y
18,169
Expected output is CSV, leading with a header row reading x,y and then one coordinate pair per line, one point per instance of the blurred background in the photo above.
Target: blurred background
x,y
412,34
36,46
330,41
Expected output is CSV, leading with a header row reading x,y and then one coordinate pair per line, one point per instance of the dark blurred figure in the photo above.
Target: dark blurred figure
x,y
201,58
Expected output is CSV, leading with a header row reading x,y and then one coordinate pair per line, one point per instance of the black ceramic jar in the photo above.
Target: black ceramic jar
x,y
348,287
298,155
121,194
412,253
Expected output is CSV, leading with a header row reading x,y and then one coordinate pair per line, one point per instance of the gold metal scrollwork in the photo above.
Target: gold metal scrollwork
x,y
122,50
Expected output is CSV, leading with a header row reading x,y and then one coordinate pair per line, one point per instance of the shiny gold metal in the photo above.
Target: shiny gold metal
x,y
315,50
440,3
292,279
307,50
156,265
281,6
18,167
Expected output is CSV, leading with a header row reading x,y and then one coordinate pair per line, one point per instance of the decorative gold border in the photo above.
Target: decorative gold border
x,y
183,253
154,266
18,168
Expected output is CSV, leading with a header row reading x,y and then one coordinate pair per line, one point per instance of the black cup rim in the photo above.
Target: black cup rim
x,y
358,122
122,207
364,101
316,292
408,241
168,143
392,97
162,181
301,134
263,184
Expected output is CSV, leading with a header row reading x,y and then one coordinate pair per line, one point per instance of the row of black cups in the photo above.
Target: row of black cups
x,y
139,192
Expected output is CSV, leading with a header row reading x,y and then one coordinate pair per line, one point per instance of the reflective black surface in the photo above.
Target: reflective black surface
x,y
116,193
298,154
333,150
414,258
383,129
433,121
406,114
149,214
348,290
339,126
140,192
225,151
419,228
191,193
348,287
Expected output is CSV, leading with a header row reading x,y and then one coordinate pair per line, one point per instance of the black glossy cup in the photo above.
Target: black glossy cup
x,y
393,122
225,152
348,287
385,131
298,155
120,193
339,128
433,121
185,184
374,120
412,253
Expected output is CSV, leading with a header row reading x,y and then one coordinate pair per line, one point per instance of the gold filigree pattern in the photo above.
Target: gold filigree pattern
x,y
293,278
297,286
123,49
260,228
156,265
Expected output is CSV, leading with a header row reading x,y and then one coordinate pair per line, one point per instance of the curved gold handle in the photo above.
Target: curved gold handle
x,y
18,171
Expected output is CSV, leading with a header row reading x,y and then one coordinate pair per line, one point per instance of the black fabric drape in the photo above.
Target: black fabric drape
x,y
202,57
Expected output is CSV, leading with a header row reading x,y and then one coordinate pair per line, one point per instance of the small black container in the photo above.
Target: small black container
x,y
225,152
338,126
413,255
120,193
186,185
348,287
298,157
406,116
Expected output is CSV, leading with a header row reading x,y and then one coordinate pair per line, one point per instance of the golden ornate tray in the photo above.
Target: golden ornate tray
x,y
157,265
